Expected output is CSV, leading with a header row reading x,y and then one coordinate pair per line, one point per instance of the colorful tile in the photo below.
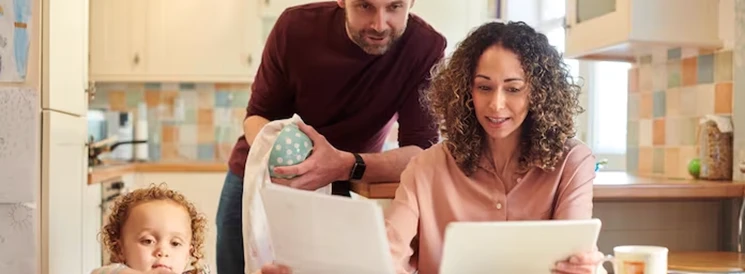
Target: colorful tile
x,y
187,152
646,59
190,116
658,131
223,152
659,77
658,161
646,106
153,152
646,83
187,86
206,99
152,98
205,134
672,102
672,166
672,131
134,97
223,99
723,66
705,69
633,80
674,54
170,134
723,98
645,132
239,114
645,160
658,104
240,98
187,135
688,127
224,117
117,100
688,70
688,102
152,86
206,152
705,99
169,152
205,117
686,154
632,134
633,107
632,160
674,68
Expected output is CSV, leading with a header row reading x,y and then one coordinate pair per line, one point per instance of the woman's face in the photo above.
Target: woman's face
x,y
500,93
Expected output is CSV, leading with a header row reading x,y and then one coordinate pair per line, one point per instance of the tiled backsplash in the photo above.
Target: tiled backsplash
x,y
668,93
186,121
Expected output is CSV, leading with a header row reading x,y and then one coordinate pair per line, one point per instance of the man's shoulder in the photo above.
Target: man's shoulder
x,y
424,33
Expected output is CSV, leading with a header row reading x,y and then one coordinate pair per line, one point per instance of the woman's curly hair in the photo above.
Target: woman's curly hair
x,y
553,95
112,231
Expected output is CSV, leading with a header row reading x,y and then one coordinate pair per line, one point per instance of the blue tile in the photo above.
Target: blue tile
x,y
222,99
187,86
206,152
152,86
674,54
705,69
154,152
658,104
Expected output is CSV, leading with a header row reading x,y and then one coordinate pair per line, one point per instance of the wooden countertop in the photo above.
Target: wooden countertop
x,y
706,262
114,170
613,186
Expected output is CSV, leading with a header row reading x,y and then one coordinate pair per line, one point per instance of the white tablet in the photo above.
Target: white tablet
x,y
526,247
316,233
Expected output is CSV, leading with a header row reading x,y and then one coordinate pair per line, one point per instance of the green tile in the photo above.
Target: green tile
x,y
134,97
152,86
187,86
646,59
723,66
673,73
658,104
633,107
705,68
240,99
632,160
674,54
658,160
632,134
190,115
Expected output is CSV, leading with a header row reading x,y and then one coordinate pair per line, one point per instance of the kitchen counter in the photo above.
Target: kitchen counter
x,y
614,186
111,171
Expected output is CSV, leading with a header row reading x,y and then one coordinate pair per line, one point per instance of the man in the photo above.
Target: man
x,y
350,69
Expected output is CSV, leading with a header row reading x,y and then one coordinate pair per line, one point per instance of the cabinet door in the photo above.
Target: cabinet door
x,y
273,8
65,51
64,173
453,19
199,40
593,24
117,39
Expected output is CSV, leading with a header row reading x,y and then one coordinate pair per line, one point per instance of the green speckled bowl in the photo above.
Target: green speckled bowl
x,y
291,148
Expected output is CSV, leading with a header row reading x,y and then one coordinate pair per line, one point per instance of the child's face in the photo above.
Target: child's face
x,y
157,234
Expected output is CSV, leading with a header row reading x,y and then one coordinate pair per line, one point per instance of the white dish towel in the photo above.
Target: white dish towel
x,y
257,246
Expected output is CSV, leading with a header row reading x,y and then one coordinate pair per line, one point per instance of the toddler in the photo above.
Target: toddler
x,y
154,230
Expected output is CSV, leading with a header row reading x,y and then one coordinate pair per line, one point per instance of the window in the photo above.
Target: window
x,y
604,88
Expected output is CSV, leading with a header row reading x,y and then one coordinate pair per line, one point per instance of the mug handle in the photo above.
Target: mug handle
x,y
608,258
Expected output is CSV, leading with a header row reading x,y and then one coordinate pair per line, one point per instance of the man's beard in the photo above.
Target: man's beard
x,y
358,37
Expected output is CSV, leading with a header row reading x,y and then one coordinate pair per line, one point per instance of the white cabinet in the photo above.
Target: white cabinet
x,y
171,40
622,29
64,173
65,51
453,19
117,39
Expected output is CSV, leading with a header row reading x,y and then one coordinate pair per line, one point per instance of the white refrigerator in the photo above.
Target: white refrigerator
x,y
43,155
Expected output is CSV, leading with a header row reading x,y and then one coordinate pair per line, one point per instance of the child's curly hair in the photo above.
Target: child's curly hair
x,y
112,231
553,98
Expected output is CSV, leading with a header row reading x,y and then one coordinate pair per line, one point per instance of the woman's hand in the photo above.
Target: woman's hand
x,y
274,269
583,263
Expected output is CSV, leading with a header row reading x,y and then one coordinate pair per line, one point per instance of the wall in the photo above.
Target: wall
x,y
186,121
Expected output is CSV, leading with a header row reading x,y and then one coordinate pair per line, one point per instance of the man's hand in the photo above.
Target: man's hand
x,y
325,165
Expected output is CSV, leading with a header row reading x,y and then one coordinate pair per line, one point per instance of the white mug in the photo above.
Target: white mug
x,y
638,259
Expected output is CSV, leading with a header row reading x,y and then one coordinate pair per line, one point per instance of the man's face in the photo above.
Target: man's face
x,y
375,25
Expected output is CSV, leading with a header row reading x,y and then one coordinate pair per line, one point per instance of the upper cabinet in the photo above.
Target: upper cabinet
x,y
622,29
170,40
273,8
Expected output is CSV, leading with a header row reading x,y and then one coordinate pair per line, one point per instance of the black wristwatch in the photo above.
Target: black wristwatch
x,y
358,169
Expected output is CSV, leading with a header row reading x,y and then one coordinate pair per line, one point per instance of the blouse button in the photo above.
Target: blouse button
x,y
499,205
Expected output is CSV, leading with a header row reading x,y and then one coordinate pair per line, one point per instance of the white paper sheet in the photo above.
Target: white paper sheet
x,y
317,233
17,244
19,145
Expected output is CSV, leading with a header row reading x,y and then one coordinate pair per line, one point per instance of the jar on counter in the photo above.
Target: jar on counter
x,y
715,147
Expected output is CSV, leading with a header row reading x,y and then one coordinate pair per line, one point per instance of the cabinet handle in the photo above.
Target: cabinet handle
x,y
137,58
266,2
91,90
250,60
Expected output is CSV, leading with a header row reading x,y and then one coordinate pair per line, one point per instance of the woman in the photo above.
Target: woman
x,y
506,104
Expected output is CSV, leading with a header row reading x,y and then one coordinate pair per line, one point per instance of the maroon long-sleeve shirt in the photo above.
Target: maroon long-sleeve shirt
x,y
312,68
